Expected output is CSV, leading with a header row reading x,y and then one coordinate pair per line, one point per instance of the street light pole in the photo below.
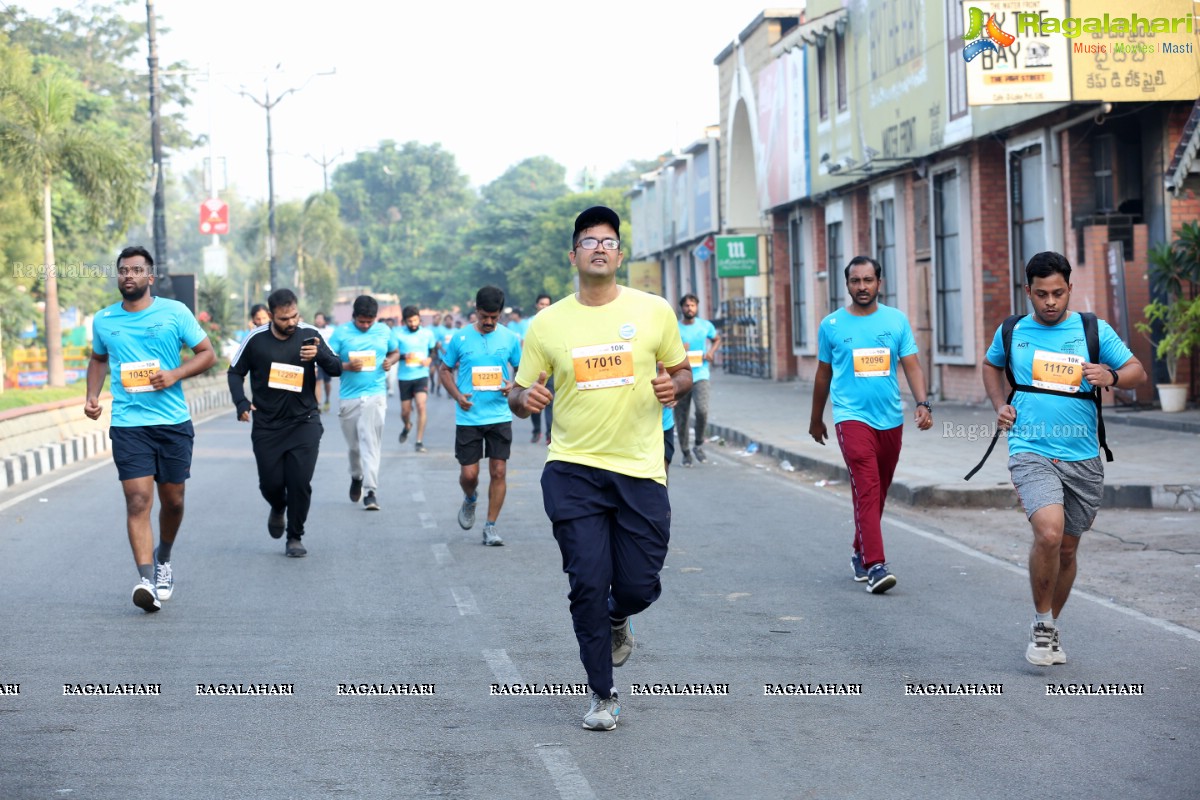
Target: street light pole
x,y
267,104
163,285
324,163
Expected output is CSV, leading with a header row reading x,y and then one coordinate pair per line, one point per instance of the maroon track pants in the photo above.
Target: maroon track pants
x,y
871,458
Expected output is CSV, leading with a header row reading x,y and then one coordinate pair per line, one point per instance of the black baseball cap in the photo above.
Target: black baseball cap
x,y
596,215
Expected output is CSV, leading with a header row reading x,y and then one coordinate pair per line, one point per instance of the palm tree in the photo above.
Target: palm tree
x,y
41,143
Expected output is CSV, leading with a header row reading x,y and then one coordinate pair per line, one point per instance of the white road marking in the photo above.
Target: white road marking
x,y
427,520
441,554
464,600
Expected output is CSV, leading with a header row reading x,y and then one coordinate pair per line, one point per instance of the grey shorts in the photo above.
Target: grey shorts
x,y
1077,486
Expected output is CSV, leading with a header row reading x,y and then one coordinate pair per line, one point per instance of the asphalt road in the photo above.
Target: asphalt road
x,y
757,591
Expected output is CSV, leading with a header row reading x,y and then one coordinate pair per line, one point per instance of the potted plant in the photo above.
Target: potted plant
x,y
1175,268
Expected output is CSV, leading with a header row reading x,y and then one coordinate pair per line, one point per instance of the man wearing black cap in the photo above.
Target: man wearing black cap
x,y
616,358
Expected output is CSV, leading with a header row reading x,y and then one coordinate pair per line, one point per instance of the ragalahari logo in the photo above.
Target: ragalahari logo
x,y
990,36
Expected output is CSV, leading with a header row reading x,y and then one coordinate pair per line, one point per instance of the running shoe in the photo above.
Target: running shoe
x,y
370,502
622,642
355,489
275,524
860,572
421,448
1040,651
602,714
145,597
687,458
537,437
879,580
1057,653
164,581
295,549
404,434
466,514
699,454
490,537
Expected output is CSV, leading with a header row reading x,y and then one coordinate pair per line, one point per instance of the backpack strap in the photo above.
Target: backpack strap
x,y
1091,334
1006,334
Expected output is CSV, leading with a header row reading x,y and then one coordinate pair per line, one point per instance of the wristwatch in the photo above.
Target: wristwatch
x,y
927,405
1116,377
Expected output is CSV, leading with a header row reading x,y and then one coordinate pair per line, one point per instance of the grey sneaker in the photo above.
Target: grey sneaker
x,y
602,714
371,502
420,447
164,581
687,458
295,549
490,537
622,642
1041,639
466,514
145,597
699,454
1058,655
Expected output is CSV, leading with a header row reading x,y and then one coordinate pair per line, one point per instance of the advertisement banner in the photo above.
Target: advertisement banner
x,y
737,256
1009,62
646,276
1133,52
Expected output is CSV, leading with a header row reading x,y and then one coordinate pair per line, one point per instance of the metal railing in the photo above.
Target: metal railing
x,y
745,331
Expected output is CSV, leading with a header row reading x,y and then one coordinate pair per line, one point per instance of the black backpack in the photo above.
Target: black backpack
x,y
1091,335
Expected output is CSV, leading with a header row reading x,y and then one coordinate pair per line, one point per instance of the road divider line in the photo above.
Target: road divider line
x,y
418,496
441,554
464,600
427,520
107,462
502,666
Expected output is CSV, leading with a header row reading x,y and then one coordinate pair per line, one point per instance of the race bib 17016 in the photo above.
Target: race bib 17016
x,y
600,366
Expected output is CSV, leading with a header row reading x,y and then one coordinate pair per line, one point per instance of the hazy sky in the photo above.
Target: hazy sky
x,y
590,85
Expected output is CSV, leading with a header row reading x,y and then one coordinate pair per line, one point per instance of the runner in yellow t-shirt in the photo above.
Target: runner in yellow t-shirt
x,y
616,359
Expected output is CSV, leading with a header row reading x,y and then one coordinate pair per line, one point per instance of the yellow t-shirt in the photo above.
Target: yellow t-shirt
x,y
602,359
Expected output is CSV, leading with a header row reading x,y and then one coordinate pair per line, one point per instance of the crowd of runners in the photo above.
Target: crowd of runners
x,y
611,377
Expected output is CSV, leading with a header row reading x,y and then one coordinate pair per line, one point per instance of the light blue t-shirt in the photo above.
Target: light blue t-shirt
x,y
347,339
668,418
865,353
414,347
519,328
130,340
1055,427
483,364
695,340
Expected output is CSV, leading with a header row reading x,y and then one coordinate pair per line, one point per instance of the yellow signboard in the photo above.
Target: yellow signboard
x,y
647,276
1133,51
1010,64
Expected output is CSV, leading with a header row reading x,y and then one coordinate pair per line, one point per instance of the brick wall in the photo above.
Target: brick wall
x,y
783,363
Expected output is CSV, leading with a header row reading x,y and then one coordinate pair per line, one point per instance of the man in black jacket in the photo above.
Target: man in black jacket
x,y
286,431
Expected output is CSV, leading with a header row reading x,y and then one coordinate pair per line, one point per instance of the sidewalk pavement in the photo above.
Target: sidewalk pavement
x,y
1156,456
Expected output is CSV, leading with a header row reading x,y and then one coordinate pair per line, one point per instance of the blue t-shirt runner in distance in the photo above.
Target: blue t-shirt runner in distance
x,y
865,354
483,364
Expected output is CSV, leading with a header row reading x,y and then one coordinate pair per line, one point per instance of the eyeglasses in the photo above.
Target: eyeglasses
x,y
591,243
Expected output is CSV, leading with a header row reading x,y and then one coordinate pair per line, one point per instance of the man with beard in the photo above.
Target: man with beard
x,y
416,346
286,420
1053,455
858,348
137,341
701,341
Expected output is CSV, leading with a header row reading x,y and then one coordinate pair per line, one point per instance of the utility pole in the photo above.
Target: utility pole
x,y
324,163
162,285
267,104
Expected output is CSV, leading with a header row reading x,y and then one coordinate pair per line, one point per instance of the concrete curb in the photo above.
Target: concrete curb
x,y
1181,497
37,461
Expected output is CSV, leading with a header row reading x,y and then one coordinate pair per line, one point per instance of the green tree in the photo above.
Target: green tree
x,y
44,144
504,218
406,204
